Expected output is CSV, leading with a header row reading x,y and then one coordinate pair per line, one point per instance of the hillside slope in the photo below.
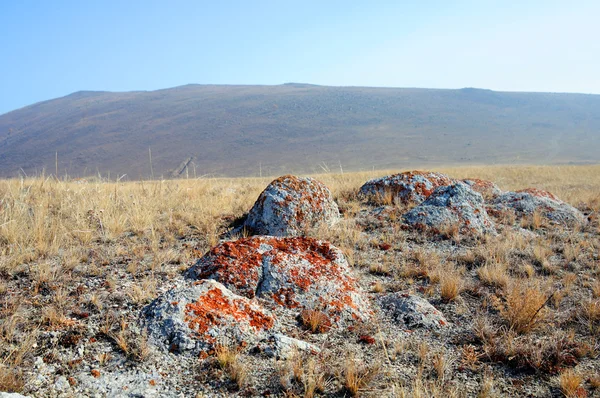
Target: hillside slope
x,y
241,130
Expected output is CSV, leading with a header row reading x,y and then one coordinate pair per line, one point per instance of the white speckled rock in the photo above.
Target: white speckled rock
x,y
526,202
291,206
11,395
408,187
295,273
453,205
205,313
121,384
282,347
412,311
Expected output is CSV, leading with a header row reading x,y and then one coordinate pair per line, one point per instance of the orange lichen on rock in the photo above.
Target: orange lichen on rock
x,y
540,193
214,309
246,275
293,272
408,187
486,188
290,206
207,313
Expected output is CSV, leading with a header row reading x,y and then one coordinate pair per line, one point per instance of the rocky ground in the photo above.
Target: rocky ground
x,y
416,284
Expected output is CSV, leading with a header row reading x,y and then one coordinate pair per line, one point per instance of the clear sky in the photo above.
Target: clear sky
x,y
53,48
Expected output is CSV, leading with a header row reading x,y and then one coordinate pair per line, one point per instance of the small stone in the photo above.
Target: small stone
x,y
412,311
283,347
62,384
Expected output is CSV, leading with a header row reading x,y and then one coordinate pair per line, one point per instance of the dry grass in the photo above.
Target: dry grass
x,y
494,274
315,321
569,382
229,360
451,284
356,376
523,307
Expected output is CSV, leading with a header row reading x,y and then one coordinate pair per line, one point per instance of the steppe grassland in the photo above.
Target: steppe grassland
x,y
55,233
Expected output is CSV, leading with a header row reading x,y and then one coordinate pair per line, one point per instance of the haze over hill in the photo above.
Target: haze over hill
x,y
243,130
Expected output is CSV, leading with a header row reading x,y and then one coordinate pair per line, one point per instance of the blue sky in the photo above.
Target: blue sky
x,y
53,48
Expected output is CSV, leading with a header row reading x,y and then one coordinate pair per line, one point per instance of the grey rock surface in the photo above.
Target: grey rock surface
x,y
487,189
291,206
293,272
195,317
456,205
408,187
412,311
283,347
527,202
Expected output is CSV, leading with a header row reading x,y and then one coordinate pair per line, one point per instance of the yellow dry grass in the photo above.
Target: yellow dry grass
x,y
41,218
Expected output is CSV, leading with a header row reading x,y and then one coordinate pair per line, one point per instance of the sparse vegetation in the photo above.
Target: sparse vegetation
x,y
80,259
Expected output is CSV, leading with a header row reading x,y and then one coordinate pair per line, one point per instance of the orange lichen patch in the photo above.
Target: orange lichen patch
x,y
285,298
235,264
317,270
539,193
366,339
410,186
435,180
214,309
486,188
95,373
301,272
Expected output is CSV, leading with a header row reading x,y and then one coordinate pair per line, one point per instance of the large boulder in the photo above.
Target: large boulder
x,y
487,189
453,206
290,206
526,202
411,312
202,314
297,273
408,187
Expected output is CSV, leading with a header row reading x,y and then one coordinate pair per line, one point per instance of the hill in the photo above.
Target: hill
x,y
246,130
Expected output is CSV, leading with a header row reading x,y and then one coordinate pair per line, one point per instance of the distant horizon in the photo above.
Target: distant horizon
x,y
296,83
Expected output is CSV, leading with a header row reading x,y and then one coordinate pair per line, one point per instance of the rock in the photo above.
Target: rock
x,y
408,187
290,206
283,347
123,383
196,317
456,205
412,311
61,384
529,201
487,189
298,273
11,395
